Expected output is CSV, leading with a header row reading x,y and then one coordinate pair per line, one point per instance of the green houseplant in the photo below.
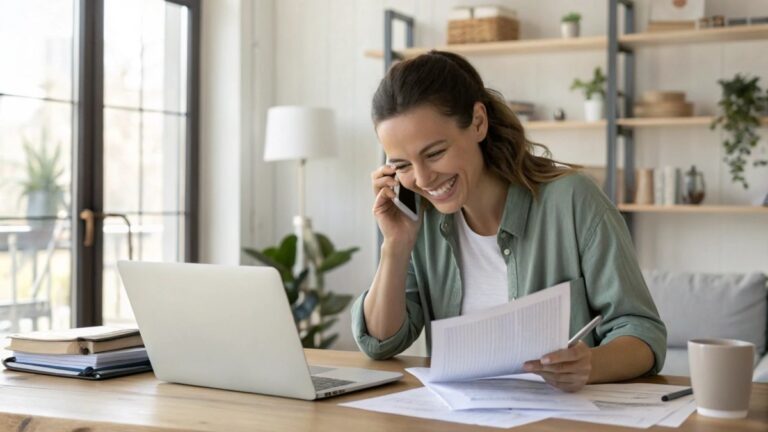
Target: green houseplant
x,y
42,187
594,93
742,102
312,305
569,25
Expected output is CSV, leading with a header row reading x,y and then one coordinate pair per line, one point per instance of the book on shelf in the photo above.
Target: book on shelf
x,y
84,340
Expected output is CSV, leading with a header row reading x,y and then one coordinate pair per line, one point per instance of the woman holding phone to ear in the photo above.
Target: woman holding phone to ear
x,y
499,222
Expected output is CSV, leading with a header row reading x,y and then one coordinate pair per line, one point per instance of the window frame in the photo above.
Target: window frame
x,y
88,177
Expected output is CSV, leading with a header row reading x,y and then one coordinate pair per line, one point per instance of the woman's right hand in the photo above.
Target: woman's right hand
x,y
397,228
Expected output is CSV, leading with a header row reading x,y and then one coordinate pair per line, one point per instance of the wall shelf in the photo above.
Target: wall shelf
x,y
701,209
524,46
723,34
558,125
646,122
528,46
671,121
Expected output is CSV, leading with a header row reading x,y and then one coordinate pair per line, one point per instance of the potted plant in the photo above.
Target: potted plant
x,y
594,94
569,25
313,307
742,103
41,187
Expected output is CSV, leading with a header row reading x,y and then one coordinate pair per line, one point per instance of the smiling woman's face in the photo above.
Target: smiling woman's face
x,y
433,156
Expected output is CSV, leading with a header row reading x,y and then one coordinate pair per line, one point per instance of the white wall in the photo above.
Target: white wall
x,y
221,134
318,60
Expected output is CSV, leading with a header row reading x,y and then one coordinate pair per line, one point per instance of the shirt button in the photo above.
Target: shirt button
x,y
507,252
445,226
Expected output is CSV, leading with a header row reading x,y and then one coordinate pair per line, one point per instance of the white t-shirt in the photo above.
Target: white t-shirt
x,y
483,269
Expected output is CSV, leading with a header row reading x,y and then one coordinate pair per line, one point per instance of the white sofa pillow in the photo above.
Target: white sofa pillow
x,y
701,305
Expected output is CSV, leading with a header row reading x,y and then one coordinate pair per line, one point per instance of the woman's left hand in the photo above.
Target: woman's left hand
x,y
567,369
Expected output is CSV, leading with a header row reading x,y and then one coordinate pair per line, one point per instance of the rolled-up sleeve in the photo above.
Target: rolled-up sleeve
x,y
617,290
400,341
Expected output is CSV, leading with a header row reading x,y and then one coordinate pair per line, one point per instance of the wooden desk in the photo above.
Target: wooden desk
x,y
142,403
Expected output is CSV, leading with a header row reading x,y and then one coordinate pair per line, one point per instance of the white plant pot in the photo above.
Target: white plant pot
x,y
569,29
593,110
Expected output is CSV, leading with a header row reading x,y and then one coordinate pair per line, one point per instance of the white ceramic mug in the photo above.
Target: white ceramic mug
x,y
721,376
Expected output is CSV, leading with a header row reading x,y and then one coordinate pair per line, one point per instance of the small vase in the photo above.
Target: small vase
x,y
593,110
644,193
569,29
693,189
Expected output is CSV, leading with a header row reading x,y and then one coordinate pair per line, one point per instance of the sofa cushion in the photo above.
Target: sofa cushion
x,y
676,362
697,305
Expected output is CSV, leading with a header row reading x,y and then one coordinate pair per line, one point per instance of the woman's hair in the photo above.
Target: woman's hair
x,y
450,84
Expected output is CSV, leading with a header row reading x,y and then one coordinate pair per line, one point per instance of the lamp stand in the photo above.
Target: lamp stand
x,y
301,223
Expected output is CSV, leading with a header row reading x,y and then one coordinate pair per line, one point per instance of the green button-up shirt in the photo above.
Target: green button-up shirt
x,y
569,232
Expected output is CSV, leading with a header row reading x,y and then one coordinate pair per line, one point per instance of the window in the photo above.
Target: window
x,y
98,112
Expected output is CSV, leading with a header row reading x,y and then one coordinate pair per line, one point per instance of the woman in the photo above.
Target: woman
x,y
501,223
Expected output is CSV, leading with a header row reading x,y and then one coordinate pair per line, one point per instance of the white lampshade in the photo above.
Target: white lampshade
x,y
296,132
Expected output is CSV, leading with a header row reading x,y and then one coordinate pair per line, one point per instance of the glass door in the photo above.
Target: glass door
x,y
146,119
37,133
98,153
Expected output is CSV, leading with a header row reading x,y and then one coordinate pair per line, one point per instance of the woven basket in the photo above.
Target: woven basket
x,y
482,30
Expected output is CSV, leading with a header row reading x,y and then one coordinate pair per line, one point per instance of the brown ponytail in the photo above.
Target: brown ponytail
x,y
450,84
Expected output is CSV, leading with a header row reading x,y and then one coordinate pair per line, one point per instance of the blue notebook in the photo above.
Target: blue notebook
x,y
88,372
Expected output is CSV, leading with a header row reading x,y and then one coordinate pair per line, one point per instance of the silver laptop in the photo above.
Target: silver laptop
x,y
230,328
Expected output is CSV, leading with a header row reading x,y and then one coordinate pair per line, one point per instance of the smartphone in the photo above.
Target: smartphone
x,y
407,201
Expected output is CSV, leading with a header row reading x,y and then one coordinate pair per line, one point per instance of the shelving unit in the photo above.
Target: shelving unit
x,y
624,45
617,46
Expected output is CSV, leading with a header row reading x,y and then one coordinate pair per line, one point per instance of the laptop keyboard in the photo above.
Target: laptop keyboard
x,y
324,383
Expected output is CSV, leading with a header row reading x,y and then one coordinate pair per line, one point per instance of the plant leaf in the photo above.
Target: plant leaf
x,y
308,340
286,252
336,259
292,288
285,273
333,304
326,246
327,342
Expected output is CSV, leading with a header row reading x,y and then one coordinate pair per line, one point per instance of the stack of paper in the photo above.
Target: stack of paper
x,y
495,344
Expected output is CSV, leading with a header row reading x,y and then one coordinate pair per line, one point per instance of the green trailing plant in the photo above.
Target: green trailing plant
x,y
742,102
43,171
573,17
592,87
314,308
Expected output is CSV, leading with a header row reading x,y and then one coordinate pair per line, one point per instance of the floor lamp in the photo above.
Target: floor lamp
x,y
299,133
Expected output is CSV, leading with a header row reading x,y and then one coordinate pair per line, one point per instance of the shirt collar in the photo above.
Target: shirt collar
x,y
514,218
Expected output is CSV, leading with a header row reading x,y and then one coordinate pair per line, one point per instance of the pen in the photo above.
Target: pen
x,y
677,394
585,331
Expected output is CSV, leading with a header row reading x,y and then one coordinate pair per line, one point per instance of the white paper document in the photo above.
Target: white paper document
x,y
677,418
422,403
504,393
632,405
498,340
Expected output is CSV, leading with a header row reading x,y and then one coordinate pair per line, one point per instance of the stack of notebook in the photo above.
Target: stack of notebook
x,y
87,352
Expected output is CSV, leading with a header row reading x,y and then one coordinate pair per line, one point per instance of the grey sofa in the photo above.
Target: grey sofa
x,y
701,305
